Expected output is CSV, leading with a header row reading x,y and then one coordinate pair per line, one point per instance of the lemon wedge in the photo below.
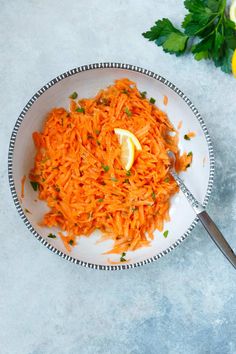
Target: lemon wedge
x,y
234,64
127,153
128,143
123,133
232,11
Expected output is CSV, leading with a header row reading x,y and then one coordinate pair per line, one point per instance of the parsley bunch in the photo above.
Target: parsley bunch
x,y
206,21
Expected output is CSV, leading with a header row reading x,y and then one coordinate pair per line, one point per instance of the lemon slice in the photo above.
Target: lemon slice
x,y
123,133
232,11
234,64
127,153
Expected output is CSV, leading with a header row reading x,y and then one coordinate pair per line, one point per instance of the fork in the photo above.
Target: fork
x,y
203,216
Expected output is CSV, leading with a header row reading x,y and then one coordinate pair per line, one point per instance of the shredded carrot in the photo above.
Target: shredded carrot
x,y
23,186
80,176
183,162
191,134
165,100
180,124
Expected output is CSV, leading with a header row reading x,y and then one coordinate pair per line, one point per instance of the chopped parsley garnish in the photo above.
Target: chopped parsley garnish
x,y
71,242
143,94
80,110
114,179
152,100
35,185
100,200
188,165
134,209
51,236
27,211
126,180
186,137
74,95
165,233
125,92
167,180
97,132
190,153
98,142
127,111
104,101
122,258
128,173
153,195
106,168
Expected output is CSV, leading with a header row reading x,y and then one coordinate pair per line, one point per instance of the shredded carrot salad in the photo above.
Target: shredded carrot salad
x,y
80,176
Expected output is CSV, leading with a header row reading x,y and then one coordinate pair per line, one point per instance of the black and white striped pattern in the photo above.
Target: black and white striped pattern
x,y
53,82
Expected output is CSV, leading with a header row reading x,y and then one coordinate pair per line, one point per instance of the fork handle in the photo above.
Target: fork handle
x,y
217,237
207,222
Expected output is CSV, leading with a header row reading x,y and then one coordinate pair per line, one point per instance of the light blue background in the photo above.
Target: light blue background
x,y
186,302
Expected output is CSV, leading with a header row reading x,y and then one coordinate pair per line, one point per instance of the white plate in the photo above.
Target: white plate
x,y
87,80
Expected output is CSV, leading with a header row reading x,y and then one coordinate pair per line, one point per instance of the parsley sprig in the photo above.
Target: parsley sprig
x,y
205,21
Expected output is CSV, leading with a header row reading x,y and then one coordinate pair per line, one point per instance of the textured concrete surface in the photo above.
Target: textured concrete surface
x,y
184,303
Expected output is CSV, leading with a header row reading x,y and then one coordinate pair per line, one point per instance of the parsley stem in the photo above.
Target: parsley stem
x,y
207,25
216,28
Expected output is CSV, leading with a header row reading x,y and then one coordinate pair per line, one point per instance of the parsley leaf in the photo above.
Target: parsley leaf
x,y
122,259
127,111
51,236
226,61
114,179
186,137
74,95
200,19
105,168
165,233
35,185
134,209
80,110
166,35
143,94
